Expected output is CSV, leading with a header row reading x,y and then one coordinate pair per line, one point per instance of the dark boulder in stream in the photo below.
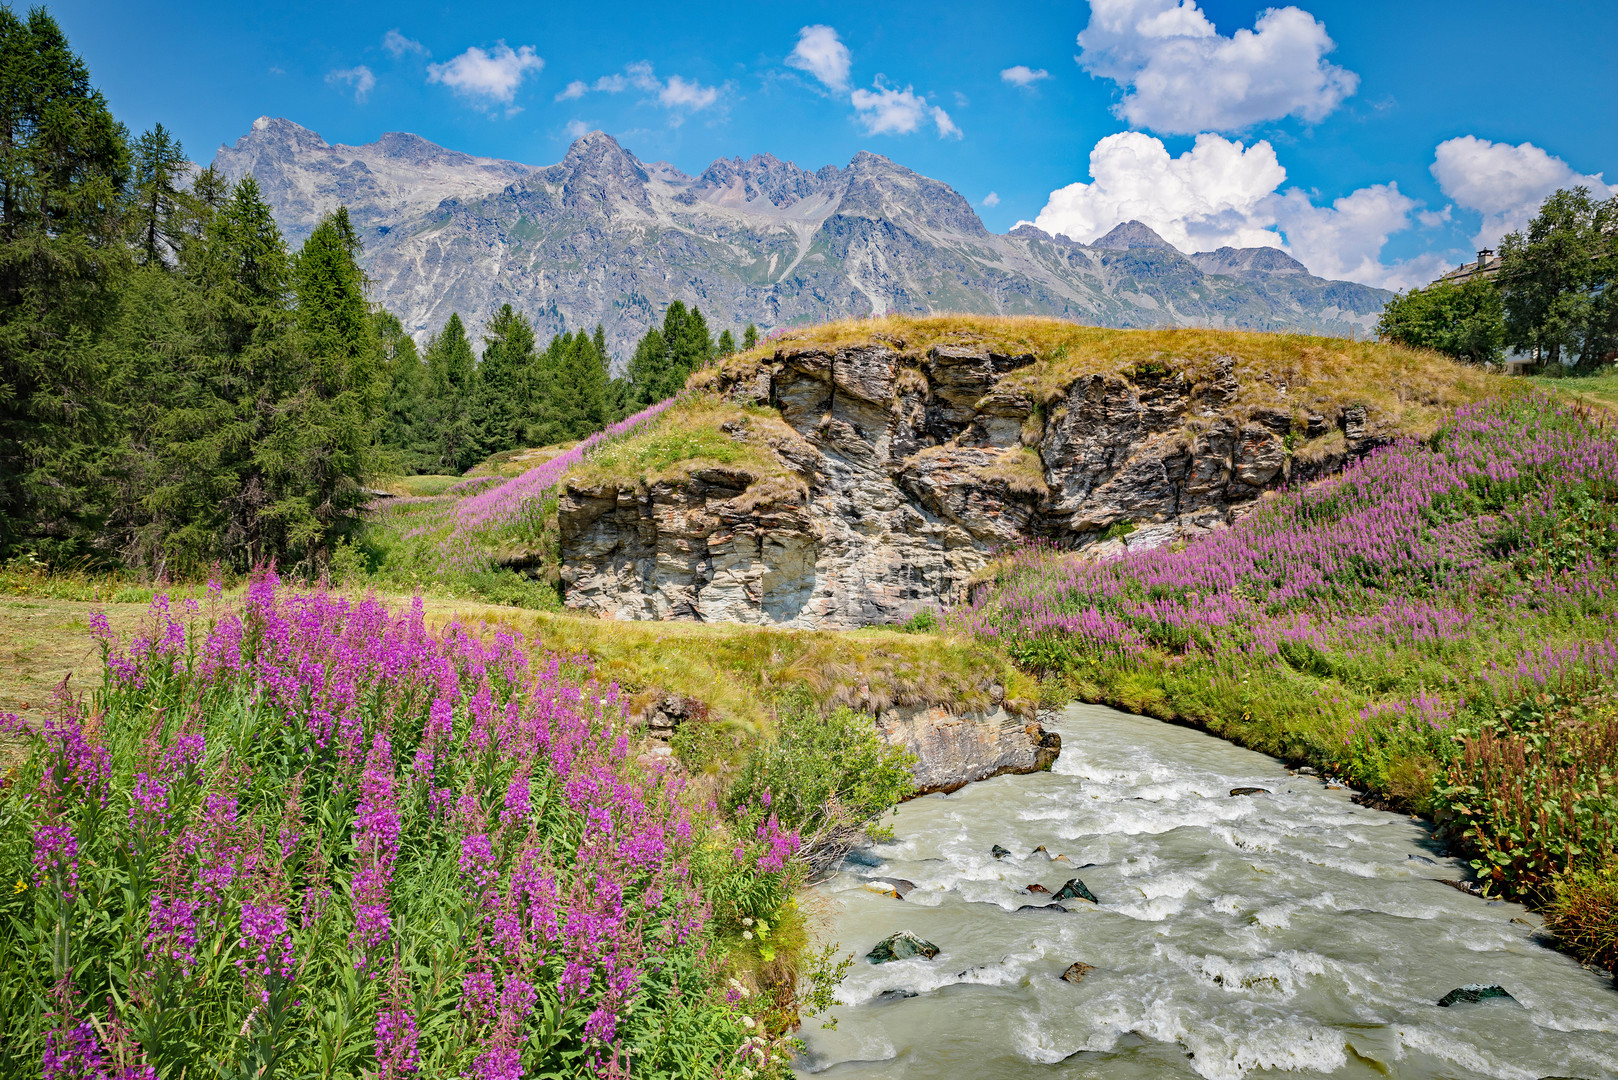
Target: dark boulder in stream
x,y
1042,907
1248,791
1075,890
1036,887
998,852
1472,993
1077,971
901,946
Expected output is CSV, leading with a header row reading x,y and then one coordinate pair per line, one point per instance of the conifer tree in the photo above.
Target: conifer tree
x,y
401,435
505,385
451,379
211,494
162,204
64,170
727,343
750,336
322,443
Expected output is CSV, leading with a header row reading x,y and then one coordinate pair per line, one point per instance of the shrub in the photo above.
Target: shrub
x,y
1584,914
827,777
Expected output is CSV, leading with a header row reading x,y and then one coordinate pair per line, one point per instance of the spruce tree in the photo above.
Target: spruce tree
x,y
405,378
750,336
322,443
505,383
727,343
64,170
451,383
162,203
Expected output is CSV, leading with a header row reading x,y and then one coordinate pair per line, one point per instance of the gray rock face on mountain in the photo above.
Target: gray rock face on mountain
x,y
906,472
603,237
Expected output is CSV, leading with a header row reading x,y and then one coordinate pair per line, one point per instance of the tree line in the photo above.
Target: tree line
x,y
179,388
1554,296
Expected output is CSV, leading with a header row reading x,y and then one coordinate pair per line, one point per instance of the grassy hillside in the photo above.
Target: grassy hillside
x,y
1407,388
1437,625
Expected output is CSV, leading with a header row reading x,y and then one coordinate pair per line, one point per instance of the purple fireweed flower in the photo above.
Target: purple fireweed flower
x,y
56,859
396,1040
172,931
498,1064
266,944
73,1053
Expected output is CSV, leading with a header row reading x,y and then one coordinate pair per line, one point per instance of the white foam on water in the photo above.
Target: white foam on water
x,y
925,976
1446,1046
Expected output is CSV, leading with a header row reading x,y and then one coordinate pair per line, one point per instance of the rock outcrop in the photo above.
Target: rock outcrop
x,y
902,473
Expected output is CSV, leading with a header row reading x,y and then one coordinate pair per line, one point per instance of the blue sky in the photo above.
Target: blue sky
x,y
1375,140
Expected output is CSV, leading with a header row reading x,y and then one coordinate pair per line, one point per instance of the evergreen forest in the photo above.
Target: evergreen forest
x,y
179,389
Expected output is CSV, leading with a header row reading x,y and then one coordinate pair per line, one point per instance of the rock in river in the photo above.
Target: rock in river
x,y
1076,972
1473,993
903,886
901,946
1036,887
1249,791
1042,907
1075,890
998,852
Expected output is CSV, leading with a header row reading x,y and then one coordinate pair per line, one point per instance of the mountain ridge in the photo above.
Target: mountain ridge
x,y
601,236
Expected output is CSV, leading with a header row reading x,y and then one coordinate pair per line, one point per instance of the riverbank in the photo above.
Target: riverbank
x,y
1288,929
1436,626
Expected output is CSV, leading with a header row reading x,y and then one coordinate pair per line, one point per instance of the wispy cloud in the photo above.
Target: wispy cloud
x,y
1023,76
576,128
822,54
991,199
676,94
358,79
399,45
888,110
491,76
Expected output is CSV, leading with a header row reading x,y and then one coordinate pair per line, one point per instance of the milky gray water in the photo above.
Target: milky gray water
x,y
1234,935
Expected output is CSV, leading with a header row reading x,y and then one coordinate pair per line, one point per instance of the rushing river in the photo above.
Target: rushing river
x,y
1284,931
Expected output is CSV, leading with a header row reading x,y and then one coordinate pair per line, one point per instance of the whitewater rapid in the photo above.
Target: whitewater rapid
x,y
1288,931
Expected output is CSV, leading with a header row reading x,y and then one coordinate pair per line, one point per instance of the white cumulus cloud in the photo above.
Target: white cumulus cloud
x,y
494,75
991,199
1023,76
822,54
1505,183
359,79
888,110
576,128
397,44
1182,76
1223,193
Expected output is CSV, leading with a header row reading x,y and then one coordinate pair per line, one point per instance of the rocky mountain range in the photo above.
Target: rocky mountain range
x,y
604,237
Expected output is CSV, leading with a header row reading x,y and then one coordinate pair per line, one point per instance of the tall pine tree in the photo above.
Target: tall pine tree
x,y
505,385
64,170
451,383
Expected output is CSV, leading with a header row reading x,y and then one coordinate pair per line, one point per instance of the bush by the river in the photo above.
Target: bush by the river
x,y
312,837
1437,625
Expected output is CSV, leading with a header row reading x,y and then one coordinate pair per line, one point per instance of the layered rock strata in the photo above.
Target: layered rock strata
x,y
905,473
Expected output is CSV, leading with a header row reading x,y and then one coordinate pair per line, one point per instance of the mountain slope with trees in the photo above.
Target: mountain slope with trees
x,y
602,237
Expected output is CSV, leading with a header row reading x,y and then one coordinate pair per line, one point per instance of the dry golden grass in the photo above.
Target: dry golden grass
x,y
738,671
700,432
1402,388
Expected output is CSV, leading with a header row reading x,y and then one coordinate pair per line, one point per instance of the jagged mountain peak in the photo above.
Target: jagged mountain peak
x,y
1133,234
602,237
